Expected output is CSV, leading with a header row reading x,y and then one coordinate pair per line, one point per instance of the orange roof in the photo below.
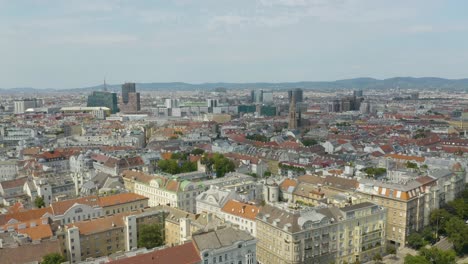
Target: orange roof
x,y
120,199
101,224
59,208
288,183
241,209
407,158
166,155
137,175
25,216
182,254
38,232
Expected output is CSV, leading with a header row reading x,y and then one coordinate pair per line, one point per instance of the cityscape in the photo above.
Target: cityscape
x,y
231,171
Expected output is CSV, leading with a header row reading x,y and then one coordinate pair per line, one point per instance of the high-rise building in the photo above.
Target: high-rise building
x,y
298,94
267,97
130,102
20,106
292,113
256,96
171,103
126,89
358,93
100,98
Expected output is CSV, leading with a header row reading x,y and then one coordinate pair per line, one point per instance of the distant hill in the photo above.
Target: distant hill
x,y
425,83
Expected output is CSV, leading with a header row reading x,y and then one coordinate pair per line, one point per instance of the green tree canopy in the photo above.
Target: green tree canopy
x,y
150,236
309,142
416,241
39,202
438,256
53,258
197,151
410,259
457,232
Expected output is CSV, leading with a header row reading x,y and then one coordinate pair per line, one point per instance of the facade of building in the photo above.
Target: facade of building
x,y
164,191
104,99
298,93
127,88
105,235
8,169
21,106
242,215
225,245
320,235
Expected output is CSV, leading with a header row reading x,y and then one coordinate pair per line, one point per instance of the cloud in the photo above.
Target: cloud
x,y
109,39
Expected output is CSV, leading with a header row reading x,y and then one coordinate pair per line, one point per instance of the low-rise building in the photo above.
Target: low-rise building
x,y
226,245
241,215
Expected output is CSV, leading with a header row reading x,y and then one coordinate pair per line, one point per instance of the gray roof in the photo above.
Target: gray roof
x,y
220,238
357,206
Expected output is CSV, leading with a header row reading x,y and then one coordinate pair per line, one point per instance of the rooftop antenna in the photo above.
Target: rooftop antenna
x,y
105,85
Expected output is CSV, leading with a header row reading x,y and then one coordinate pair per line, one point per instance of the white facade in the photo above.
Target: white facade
x,y
183,198
213,199
8,170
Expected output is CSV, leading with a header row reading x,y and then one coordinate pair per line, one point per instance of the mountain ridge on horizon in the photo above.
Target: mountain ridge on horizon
x,y
353,83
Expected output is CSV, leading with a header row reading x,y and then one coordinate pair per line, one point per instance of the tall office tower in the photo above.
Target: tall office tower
x,y
298,93
292,113
267,97
100,98
212,102
358,93
126,89
20,106
256,96
130,99
171,103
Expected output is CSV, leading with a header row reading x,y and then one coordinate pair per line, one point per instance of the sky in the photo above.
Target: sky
x,y
78,43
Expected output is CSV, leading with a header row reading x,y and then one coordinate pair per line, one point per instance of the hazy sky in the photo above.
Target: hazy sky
x,y
76,43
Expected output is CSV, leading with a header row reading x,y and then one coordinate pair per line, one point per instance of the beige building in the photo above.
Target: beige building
x,y
320,235
180,225
106,235
164,191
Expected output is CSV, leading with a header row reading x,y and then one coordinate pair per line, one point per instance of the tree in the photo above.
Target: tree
x,y
198,151
150,236
416,241
411,165
438,256
457,232
53,258
438,219
309,142
459,207
410,259
377,258
39,202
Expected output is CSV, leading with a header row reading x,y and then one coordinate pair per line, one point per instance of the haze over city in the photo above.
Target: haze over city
x,y
233,132
68,44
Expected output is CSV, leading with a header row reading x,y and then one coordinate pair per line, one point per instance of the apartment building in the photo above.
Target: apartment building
x,y
179,225
241,215
225,245
105,235
164,191
320,235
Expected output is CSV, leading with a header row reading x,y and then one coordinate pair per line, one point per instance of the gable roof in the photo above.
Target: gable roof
x,y
243,210
182,254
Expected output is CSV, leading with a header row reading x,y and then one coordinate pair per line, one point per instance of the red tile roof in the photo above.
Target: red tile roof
x,y
240,209
182,254
120,199
38,232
